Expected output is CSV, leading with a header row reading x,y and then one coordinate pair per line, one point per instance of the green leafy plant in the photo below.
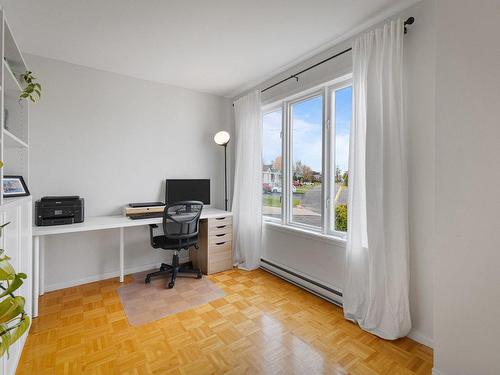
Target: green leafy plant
x,y
33,90
341,217
13,319
342,180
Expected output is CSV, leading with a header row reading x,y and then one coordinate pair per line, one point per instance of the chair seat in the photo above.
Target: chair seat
x,y
164,242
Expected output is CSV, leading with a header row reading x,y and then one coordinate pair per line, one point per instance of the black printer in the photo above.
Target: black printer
x,y
59,210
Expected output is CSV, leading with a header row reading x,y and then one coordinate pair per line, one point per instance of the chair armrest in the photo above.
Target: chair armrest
x,y
151,234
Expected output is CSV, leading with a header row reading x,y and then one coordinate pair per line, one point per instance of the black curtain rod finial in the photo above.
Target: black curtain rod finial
x,y
409,21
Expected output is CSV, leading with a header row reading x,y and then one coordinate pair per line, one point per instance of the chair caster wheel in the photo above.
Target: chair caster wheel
x,y
199,276
148,280
170,285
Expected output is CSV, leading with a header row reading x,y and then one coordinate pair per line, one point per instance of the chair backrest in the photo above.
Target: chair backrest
x,y
181,219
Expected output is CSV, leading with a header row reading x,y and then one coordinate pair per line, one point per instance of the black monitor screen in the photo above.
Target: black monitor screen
x,y
187,190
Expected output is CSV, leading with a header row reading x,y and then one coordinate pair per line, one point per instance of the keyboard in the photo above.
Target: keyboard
x,y
147,215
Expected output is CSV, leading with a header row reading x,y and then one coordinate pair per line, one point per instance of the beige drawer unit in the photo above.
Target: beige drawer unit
x,y
216,245
220,222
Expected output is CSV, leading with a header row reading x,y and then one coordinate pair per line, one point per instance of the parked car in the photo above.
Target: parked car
x,y
276,189
268,188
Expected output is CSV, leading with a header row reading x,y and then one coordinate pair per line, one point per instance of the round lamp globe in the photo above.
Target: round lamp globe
x,y
222,138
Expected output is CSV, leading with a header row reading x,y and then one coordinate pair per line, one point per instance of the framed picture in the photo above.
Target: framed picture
x,y
14,186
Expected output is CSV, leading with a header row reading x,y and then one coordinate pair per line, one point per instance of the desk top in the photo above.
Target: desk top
x,y
115,221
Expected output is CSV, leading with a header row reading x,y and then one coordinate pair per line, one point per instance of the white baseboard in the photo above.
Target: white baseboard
x,y
435,371
422,339
300,280
94,278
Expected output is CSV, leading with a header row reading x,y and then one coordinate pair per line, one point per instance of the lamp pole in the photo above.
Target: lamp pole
x,y
222,138
225,176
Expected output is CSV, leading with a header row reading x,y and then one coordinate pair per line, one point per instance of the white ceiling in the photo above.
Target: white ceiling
x,y
215,46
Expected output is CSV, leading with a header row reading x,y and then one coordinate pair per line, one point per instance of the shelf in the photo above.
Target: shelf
x,y
12,52
11,83
11,141
14,128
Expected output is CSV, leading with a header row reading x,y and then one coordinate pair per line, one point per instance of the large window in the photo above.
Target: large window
x,y
306,117
272,167
305,159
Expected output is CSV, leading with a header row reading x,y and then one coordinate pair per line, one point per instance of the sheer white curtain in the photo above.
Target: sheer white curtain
x,y
377,270
247,198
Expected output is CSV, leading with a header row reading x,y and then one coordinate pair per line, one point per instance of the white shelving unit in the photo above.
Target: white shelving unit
x,y
14,140
11,141
14,152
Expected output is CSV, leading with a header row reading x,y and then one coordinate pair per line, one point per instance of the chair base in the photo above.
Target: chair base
x,y
176,269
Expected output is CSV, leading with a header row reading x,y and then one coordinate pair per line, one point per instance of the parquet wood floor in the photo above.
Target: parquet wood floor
x,y
263,325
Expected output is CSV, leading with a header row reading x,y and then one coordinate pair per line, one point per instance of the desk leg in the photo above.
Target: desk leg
x,y
122,245
36,274
42,266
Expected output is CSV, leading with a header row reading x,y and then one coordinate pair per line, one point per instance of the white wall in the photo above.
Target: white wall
x,y
319,259
467,268
419,54
325,261
113,140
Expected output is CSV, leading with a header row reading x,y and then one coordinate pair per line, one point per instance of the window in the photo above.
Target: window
x,y
307,154
272,164
342,110
305,159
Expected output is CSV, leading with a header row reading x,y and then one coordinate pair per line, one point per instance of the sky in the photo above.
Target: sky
x,y
307,131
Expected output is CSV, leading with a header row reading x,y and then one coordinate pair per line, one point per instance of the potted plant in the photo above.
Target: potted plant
x,y
33,90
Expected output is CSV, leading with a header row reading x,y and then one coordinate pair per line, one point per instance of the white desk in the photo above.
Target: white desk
x,y
90,224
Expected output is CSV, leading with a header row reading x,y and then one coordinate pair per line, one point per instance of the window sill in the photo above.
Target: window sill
x,y
328,239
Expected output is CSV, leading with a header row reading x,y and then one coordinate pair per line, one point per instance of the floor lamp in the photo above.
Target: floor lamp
x,y
222,139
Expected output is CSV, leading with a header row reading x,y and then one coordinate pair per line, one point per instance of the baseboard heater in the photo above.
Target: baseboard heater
x,y
312,286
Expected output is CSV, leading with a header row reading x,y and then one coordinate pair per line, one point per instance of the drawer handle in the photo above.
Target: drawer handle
x,y
220,243
220,235
221,226
219,218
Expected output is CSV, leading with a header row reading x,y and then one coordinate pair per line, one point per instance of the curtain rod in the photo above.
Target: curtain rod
x,y
295,76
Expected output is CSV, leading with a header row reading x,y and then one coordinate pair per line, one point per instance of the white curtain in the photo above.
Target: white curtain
x,y
377,275
247,204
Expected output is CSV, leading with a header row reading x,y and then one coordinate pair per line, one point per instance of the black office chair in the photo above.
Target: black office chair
x,y
181,221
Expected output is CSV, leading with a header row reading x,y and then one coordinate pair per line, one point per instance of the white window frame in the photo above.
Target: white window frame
x,y
331,133
326,90
266,110
289,153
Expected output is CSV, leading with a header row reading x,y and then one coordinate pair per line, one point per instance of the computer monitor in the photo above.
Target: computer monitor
x,y
187,190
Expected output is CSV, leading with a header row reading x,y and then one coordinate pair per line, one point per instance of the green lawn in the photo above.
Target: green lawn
x,y
275,202
302,189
